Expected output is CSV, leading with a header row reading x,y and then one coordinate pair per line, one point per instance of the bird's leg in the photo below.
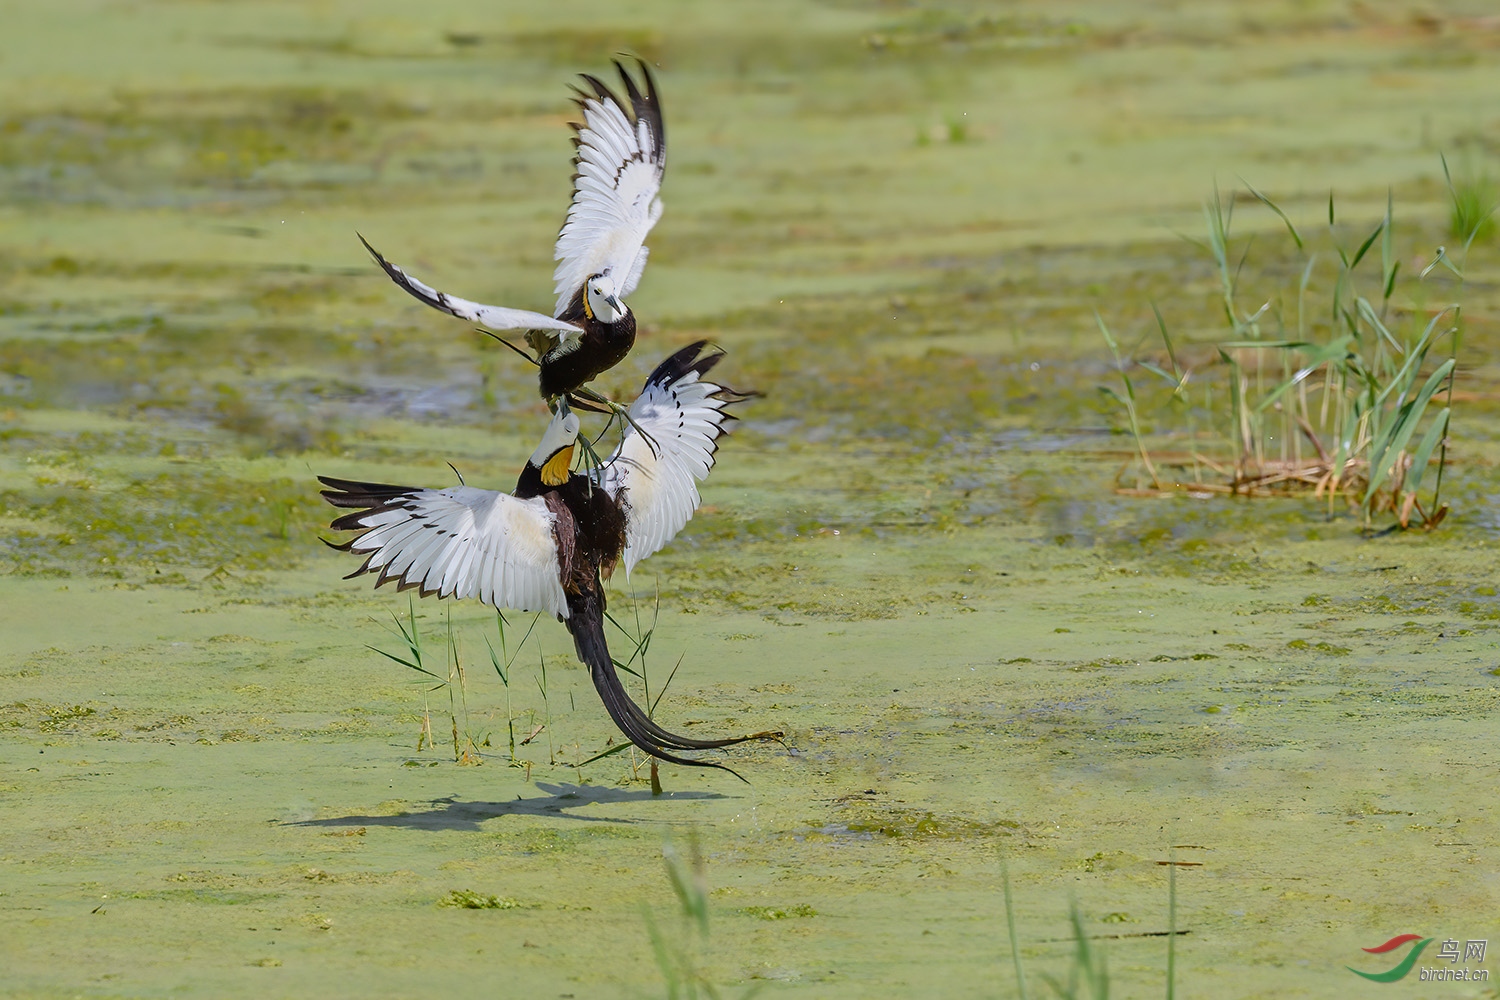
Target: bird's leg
x,y
590,458
619,411
591,463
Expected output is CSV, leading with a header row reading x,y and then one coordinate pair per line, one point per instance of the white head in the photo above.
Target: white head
x,y
599,300
555,454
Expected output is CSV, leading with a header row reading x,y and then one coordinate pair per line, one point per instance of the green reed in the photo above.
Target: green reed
x,y
1333,386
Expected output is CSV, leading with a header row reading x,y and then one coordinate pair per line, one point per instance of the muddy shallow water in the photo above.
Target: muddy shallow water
x,y
911,558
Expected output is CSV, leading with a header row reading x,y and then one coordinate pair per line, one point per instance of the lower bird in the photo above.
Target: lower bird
x,y
550,544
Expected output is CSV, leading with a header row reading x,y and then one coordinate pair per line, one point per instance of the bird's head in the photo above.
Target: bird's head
x,y
555,453
600,301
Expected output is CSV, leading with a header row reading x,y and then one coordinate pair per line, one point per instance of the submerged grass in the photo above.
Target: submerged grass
x,y
1087,975
503,671
469,745
453,681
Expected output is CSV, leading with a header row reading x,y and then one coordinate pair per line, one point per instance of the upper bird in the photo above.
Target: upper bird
x,y
548,545
620,155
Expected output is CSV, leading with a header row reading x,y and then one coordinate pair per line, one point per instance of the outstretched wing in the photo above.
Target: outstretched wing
x,y
621,151
458,542
684,415
494,317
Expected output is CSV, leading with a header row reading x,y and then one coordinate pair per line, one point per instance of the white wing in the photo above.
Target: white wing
x,y
684,415
621,154
494,317
458,542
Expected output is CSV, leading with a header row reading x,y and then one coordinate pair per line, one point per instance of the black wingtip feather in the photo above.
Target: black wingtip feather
x,y
686,360
640,107
402,281
353,493
647,106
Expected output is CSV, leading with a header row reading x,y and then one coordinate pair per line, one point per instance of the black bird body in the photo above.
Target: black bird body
x,y
567,366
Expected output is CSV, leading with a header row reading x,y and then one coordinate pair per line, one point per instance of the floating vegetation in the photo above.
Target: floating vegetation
x,y
233,138
778,912
924,825
188,517
468,899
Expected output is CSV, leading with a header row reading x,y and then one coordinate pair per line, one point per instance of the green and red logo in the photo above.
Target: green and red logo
x,y
1402,967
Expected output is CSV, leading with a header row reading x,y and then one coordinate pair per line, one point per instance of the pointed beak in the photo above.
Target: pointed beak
x,y
614,304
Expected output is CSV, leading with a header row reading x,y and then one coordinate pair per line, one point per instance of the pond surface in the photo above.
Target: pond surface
x,y
912,557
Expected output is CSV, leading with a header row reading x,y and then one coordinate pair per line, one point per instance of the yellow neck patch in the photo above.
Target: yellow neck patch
x,y
555,469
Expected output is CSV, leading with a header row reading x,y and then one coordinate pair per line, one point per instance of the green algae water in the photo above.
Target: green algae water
x,y
899,221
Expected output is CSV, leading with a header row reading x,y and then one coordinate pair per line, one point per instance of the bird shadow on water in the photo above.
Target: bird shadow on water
x,y
454,814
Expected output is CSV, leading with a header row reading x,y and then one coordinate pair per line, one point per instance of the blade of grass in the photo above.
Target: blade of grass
x,y
1296,236
1129,401
621,748
1172,927
1423,454
1367,313
1359,254
1010,929
657,700
405,663
1402,428
1166,338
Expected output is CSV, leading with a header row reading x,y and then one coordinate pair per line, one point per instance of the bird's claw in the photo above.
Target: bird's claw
x,y
621,411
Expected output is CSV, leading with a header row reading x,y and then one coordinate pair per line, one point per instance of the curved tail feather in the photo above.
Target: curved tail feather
x,y
586,623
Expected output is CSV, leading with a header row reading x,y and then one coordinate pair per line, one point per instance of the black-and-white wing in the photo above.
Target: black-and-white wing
x,y
684,414
621,154
493,317
455,542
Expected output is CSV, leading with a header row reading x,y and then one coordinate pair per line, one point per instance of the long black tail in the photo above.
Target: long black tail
x,y
586,623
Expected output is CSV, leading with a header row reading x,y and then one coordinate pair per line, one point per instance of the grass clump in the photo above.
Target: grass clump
x,y
1333,386
471,745
454,680
1473,198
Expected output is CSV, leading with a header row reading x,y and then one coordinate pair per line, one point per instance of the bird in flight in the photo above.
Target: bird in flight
x,y
620,154
550,544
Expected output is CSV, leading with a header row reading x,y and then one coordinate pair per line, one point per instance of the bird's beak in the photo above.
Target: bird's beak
x,y
555,469
614,304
